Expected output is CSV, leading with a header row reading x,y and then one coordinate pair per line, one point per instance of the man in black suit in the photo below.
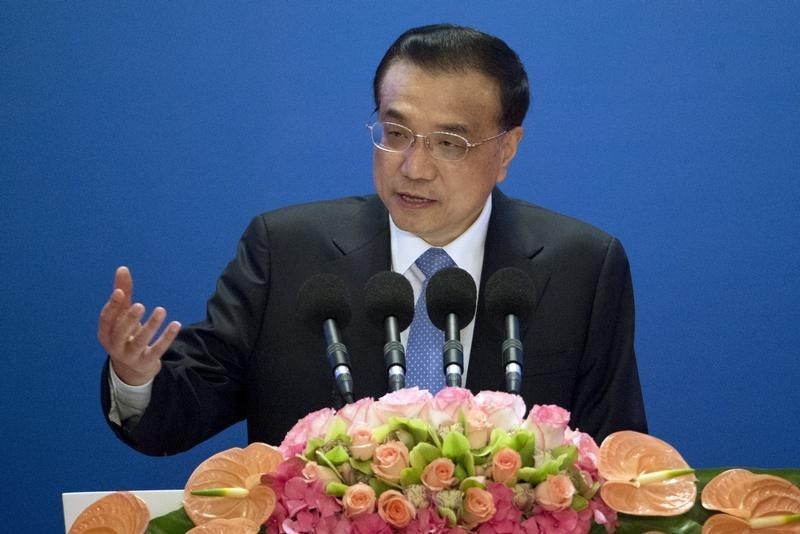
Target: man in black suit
x,y
450,103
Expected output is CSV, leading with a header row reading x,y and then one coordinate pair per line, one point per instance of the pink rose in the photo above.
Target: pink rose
x,y
449,404
438,474
555,493
408,403
548,423
389,460
588,451
362,444
478,507
478,429
313,471
358,499
394,508
313,425
505,466
504,410
357,412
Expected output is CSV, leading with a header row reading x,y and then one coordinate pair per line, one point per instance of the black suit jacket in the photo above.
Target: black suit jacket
x,y
253,359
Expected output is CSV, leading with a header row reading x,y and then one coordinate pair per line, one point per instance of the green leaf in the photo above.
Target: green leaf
x,y
422,454
410,475
362,466
336,489
448,515
629,524
337,455
337,430
176,522
473,482
524,443
312,446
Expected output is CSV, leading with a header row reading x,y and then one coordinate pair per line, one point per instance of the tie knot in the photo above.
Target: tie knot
x,y
433,260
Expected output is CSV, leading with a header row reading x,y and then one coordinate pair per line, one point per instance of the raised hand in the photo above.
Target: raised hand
x,y
126,339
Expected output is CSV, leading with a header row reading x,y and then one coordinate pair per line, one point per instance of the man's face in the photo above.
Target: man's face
x,y
432,198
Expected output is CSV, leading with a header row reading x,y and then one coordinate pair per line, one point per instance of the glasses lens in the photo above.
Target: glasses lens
x,y
447,146
392,137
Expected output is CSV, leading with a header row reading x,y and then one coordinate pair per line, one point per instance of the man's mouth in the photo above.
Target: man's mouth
x,y
414,200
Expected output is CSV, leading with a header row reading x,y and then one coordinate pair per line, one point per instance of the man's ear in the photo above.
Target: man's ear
x,y
511,141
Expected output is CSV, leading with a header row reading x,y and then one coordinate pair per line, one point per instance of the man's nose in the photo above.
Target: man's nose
x,y
417,161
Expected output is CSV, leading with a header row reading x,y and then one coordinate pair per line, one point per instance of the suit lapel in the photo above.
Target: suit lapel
x,y
510,242
363,242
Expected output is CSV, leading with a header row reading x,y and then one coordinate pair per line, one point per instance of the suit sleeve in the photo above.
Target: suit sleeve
x,y
608,393
200,389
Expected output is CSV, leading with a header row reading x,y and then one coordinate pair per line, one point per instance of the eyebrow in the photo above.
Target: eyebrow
x,y
452,127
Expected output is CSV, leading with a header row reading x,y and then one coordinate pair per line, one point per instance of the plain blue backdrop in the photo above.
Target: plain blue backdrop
x,y
149,133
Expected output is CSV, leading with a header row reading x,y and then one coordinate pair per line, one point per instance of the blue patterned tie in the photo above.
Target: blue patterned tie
x,y
425,341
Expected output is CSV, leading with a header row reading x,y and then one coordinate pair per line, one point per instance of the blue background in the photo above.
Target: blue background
x,y
149,133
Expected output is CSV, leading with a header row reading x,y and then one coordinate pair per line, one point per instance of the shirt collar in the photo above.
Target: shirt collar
x,y
466,250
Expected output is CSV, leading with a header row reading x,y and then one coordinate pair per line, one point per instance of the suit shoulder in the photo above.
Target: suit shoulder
x,y
554,224
320,210
298,223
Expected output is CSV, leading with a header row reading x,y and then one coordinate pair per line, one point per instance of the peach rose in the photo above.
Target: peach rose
x,y
555,493
505,465
312,471
362,444
438,474
478,429
478,506
395,509
358,499
503,410
389,460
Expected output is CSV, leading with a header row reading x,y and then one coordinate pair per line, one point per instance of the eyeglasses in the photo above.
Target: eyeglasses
x,y
393,137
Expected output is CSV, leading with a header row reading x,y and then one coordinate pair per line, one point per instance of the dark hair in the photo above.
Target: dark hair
x,y
450,48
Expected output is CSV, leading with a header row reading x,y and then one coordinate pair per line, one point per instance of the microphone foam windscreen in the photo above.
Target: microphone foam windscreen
x,y
323,297
509,291
389,294
451,290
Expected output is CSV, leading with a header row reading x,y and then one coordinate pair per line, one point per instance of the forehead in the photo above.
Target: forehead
x,y
467,102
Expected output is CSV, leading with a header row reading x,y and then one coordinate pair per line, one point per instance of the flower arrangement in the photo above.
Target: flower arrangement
x,y
453,462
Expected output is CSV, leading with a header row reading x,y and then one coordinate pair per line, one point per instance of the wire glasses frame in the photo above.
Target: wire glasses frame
x,y
393,137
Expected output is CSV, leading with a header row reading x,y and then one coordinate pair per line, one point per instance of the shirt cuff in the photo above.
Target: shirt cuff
x,y
128,403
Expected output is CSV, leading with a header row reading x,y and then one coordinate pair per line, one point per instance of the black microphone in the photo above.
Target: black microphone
x,y
389,302
450,298
510,296
323,300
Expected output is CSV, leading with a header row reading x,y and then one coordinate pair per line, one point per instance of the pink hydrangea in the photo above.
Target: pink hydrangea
x,y
507,516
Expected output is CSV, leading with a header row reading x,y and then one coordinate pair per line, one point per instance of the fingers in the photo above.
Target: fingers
x,y
166,338
135,360
118,303
124,281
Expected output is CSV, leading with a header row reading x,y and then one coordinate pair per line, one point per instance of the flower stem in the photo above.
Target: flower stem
x,y
773,521
236,493
660,476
